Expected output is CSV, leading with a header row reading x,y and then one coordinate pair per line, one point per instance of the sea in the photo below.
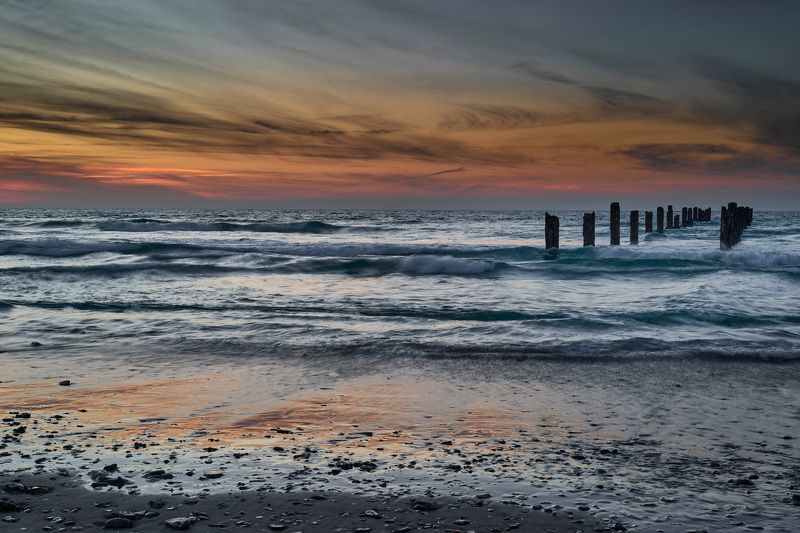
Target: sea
x,y
432,284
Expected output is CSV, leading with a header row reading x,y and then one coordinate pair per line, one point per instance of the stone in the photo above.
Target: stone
x,y
65,383
15,488
9,506
118,523
181,523
424,505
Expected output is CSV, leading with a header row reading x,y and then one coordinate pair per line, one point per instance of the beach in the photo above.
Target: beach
x,y
589,446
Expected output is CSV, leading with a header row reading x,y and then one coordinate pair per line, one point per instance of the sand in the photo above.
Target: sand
x,y
67,504
640,446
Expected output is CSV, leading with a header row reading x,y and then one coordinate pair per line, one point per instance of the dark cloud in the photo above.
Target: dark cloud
x,y
447,171
491,117
693,157
768,105
622,99
534,71
609,99
135,119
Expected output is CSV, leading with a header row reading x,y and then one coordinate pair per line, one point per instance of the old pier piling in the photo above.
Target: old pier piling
x,y
614,221
670,218
733,220
660,219
684,217
551,231
634,227
648,222
694,213
588,229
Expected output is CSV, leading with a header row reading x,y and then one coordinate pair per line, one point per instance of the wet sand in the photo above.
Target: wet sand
x,y
641,446
61,502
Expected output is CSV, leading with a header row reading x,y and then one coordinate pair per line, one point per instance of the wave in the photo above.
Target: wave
x,y
364,267
562,320
149,225
390,351
62,248
59,224
414,259
471,315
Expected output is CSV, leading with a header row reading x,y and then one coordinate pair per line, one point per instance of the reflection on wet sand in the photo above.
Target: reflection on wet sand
x,y
593,435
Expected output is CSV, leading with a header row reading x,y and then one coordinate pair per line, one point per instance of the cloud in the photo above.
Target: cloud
x,y
611,101
533,70
447,171
769,105
700,157
491,117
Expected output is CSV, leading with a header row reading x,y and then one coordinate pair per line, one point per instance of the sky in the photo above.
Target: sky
x,y
398,103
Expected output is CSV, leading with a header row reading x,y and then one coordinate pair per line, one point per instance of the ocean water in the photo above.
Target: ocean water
x,y
413,283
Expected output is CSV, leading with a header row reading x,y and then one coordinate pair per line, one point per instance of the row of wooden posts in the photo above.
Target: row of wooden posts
x,y
733,221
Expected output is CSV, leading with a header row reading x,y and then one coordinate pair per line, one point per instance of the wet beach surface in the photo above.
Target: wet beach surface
x,y
59,502
644,445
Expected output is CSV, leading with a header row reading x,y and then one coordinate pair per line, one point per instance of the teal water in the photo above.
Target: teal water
x,y
384,283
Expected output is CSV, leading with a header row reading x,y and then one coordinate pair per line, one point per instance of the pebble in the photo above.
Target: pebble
x,y
9,506
118,523
180,523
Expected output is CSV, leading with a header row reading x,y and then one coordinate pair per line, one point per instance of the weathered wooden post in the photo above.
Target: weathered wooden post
x,y
550,231
634,227
676,223
660,219
733,214
614,223
739,223
670,218
588,229
694,214
726,226
648,222
684,217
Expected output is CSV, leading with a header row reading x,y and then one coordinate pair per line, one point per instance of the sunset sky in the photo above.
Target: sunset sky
x,y
398,103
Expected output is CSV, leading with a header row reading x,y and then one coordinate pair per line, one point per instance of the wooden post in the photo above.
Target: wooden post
x,y
660,219
676,223
739,223
634,227
694,214
684,217
588,229
615,223
727,226
670,218
733,214
550,231
648,222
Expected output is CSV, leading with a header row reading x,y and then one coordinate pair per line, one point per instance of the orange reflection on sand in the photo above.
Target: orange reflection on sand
x,y
406,418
